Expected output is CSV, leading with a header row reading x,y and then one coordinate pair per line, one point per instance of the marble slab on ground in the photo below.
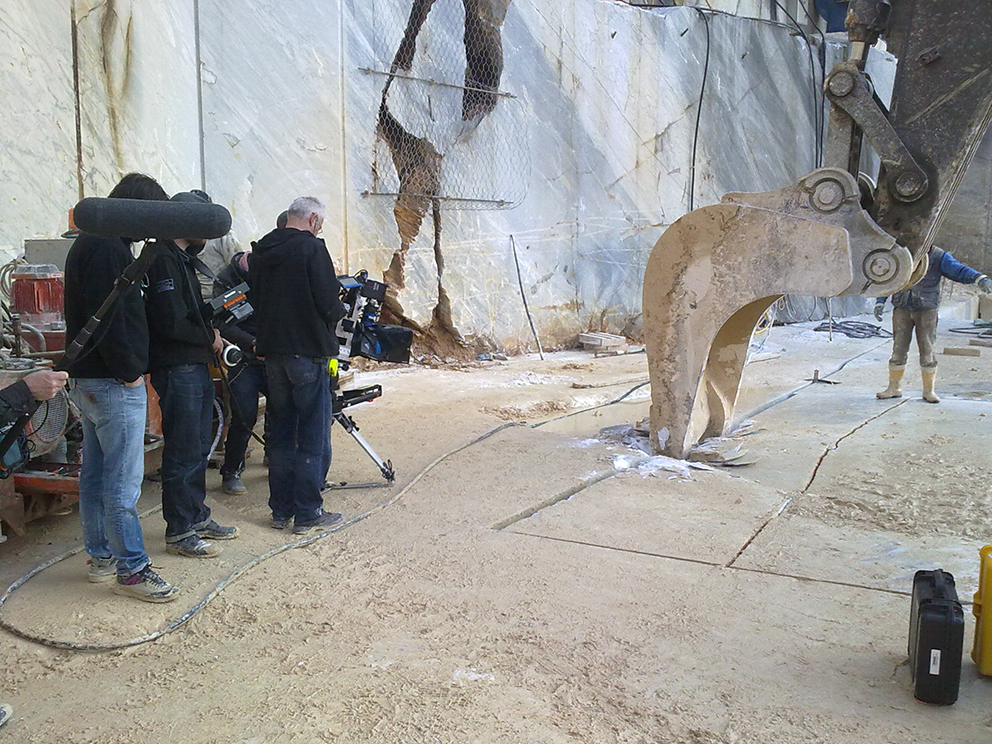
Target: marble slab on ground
x,y
707,519
805,547
790,438
906,491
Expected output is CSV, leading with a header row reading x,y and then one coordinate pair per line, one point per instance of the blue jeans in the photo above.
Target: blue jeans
x,y
246,382
299,441
113,418
186,396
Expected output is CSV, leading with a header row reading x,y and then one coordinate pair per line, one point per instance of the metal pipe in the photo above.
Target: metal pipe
x,y
42,343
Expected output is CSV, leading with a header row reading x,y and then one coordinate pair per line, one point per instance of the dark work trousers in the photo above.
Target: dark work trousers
x,y
245,383
186,396
299,440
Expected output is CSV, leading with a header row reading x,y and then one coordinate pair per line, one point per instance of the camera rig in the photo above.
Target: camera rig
x,y
361,334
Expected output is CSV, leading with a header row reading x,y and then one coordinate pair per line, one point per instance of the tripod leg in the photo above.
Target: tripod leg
x,y
385,467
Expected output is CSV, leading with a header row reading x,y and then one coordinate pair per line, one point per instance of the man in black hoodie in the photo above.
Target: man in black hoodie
x,y
110,393
180,347
297,301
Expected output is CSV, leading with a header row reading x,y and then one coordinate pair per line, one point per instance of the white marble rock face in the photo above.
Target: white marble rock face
x,y
593,149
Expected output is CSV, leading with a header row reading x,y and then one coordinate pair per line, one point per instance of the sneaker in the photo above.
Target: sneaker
x,y
213,531
193,547
6,712
325,519
145,585
102,569
278,523
232,485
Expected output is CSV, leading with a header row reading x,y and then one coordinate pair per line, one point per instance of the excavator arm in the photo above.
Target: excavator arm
x,y
717,269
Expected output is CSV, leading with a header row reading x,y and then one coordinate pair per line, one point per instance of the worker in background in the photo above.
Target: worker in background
x,y
180,348
245,381
916,307
109,390
216,254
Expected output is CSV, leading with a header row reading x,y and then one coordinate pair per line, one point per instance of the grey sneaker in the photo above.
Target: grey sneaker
x,y
213,531
146,585
278,523
102,569
325,519
232,485
193,547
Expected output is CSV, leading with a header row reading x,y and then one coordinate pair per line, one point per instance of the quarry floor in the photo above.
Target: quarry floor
x,y
505,589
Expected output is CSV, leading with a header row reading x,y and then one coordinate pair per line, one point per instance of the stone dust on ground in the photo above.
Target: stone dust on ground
x,y
523,584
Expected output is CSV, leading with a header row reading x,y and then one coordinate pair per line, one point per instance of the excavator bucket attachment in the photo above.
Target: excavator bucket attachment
x,y
708,281
715,271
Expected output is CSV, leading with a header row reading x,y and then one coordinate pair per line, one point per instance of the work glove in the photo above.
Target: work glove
x,y
984,284
879,307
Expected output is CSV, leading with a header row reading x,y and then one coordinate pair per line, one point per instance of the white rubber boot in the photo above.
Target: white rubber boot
x,y
894,390
928,379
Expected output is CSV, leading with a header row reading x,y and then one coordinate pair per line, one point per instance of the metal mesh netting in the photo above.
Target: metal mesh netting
x,y
445,131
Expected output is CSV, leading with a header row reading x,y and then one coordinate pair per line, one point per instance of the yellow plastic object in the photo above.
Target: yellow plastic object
x,y
332,367
981,651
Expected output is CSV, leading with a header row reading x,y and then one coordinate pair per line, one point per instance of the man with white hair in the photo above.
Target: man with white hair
x,y
296,295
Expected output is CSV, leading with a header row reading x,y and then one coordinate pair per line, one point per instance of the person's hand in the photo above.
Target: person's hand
x,y
135,383
984,284
218,344
45,384
879,307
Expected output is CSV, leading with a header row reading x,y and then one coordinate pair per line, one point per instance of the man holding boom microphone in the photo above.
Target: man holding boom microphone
x,y
298,305
110,393
179,352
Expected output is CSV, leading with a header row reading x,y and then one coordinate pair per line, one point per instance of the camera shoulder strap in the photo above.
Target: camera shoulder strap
x,y
201,267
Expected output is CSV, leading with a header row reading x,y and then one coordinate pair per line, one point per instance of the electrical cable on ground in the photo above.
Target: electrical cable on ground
x,y
186,616
70,646
855,329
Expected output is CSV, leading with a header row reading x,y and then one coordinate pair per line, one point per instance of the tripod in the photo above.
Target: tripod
x,y
342,399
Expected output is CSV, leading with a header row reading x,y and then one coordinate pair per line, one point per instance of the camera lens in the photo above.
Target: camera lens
x,y
231,356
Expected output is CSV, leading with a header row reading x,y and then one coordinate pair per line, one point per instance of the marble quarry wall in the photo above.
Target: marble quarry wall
x,y
441,134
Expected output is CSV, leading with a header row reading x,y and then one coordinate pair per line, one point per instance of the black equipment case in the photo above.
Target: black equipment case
x,y
936,637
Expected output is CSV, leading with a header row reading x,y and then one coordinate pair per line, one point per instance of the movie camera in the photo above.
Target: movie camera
x,y
224,311
361,334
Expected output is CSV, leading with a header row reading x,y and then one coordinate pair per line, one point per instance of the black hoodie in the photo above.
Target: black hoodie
x,y
296,295
178,333
119,347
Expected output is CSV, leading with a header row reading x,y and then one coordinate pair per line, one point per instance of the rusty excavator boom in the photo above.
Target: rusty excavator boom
x,y
716,270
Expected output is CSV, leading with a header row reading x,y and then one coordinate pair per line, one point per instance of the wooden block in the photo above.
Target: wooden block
x,y
601,340
980,342
962,351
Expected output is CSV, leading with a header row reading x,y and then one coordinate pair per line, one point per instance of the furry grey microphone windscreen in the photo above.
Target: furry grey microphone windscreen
x,y
142,218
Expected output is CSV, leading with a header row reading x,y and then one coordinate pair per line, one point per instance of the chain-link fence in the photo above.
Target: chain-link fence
x,y
446,131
